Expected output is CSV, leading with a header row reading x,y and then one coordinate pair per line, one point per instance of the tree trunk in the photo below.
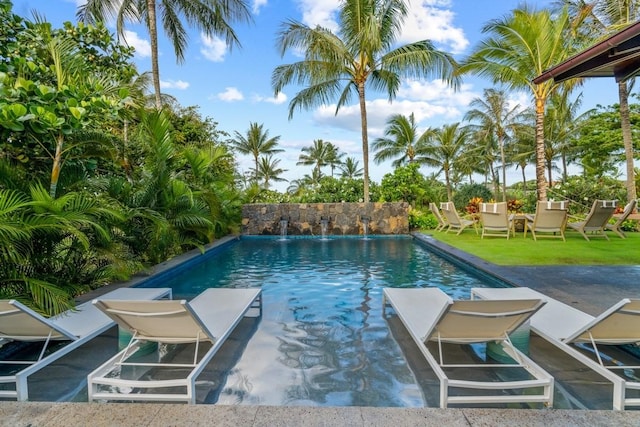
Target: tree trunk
x,y
504,169
541,183
153,35
448,185
524,182
57,166
625,123
365,140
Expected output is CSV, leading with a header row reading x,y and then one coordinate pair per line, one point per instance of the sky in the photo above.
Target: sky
x,y
233,87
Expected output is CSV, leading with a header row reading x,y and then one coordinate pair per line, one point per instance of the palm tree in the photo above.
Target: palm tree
x,y
211,17
339,66
519,48
401,141
334,157
351,169
494,116
316,155
268,170
561,129
444,147
598,19
257,143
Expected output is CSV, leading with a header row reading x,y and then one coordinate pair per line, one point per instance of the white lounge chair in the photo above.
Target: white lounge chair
x,y
495,220
429,314
442,224
454,220
210,317
550,220
597,219
564,326
617,226
78,326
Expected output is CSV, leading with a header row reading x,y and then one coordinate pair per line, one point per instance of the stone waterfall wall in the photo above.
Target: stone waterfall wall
x,y
342,218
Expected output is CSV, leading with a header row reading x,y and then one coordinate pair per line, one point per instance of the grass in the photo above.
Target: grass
x,y
520,251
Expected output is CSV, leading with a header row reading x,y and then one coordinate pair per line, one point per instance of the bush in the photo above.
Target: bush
x,y
470,191
581,192
422,220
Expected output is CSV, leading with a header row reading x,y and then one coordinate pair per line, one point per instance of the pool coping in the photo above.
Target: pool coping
x,y
123,414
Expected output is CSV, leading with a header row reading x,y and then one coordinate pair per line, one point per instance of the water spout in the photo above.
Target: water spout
x,y
365,225
284,224
324,226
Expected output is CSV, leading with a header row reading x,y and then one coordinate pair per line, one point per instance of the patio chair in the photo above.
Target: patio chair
x,y
429,315
454,221
584,337
495,220
616,227
442,224
208,318
21,324
549,221
596,221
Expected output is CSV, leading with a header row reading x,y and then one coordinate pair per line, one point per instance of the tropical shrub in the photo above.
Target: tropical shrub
x,y
467,192
422,220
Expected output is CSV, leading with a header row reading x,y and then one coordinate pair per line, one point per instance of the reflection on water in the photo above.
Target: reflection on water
x,y
322,339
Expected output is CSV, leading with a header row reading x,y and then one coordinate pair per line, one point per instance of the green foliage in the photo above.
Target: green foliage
x,y
600,140
582,191
470,191
422,220
405,184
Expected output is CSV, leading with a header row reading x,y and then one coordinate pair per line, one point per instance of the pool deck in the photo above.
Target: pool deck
x,y
590,289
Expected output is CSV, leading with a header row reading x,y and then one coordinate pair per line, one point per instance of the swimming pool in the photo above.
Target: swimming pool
x,y
322,339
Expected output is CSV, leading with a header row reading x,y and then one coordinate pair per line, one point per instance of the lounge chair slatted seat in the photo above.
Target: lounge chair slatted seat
x,y
442,224
564,326
617,226
78,326
454,220
495,220
549,221
210,317
596,221
429,314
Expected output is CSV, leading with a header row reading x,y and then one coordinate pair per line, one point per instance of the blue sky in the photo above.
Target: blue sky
x,y
234,87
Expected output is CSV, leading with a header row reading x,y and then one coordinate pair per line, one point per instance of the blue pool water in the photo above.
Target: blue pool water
x,y
322,339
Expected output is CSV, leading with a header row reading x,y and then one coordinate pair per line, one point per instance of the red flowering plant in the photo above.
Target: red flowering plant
x,y
514,205
473,207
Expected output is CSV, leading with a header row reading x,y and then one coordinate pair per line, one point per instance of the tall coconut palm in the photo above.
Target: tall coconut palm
x,y
362,53
269,171
334,157
493,115
561,129
445,147
518,49
598,19
257,143
401,141
316,155
351,169
211,17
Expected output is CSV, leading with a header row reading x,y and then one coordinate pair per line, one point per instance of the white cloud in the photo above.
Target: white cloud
x,y
432,103
142,46
174,84
427,19
230,94
433,20
257,5
319,12
213,48
281,98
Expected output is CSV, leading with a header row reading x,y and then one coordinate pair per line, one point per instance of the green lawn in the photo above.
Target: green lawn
x,y
520,251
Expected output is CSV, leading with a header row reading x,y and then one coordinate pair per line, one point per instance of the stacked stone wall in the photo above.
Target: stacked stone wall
x,y
341,218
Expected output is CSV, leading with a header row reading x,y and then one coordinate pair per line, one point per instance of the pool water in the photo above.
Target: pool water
x,y
322,339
